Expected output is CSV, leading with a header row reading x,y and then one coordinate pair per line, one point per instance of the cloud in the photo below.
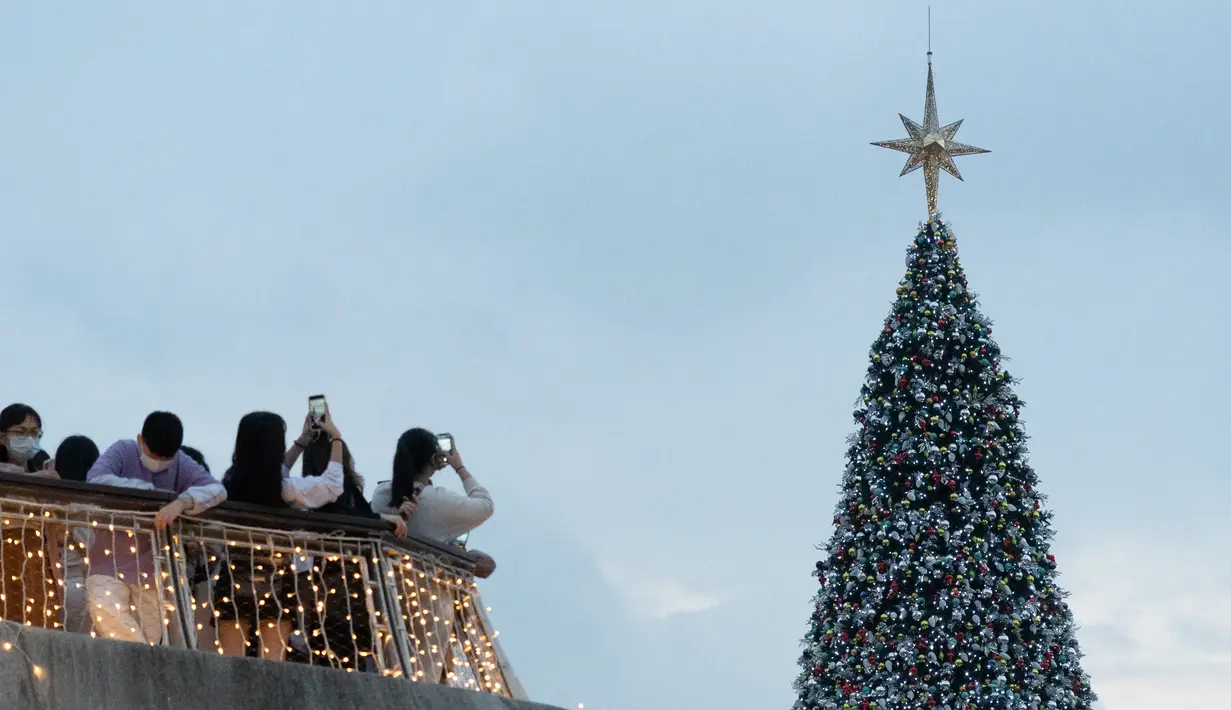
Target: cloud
x,y
655,596
1151,627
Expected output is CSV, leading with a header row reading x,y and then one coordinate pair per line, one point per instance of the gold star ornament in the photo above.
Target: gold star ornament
x,y
930,146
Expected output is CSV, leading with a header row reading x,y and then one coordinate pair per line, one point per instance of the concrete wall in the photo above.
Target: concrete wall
x,y
96,674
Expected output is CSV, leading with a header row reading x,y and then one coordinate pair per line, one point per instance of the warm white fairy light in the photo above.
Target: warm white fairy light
x,y
417,586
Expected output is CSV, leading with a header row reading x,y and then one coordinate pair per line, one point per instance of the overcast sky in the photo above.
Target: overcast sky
x,y
632,256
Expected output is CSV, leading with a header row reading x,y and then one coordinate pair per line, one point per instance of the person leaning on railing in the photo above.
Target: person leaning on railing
x,y
316,447
21,431
248,591
74,458
121,588
30,593
344,632
438,514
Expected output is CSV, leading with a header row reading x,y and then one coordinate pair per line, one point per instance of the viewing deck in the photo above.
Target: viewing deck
x,y
353,596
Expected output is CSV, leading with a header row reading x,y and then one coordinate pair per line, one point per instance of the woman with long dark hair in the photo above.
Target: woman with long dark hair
x,y
438,514
435,513
250,588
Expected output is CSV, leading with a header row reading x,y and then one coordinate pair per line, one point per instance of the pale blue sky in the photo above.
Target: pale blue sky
x,y
633,255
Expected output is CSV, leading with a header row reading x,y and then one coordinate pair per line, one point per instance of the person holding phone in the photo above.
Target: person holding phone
x,y
342,634
435,513
431,511
315,450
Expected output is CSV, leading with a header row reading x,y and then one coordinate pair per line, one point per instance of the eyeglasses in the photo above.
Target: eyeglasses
x,y
21,431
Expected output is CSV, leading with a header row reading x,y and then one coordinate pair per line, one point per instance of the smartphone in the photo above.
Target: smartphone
x,y
445,442
316,407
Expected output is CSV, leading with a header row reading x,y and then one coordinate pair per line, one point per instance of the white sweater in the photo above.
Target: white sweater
x,y
442,515
312,492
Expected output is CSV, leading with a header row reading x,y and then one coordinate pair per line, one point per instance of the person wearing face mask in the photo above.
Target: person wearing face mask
x,y
30,593
21,431
121,587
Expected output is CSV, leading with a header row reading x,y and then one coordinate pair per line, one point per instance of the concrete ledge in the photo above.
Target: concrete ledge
x,y
95,674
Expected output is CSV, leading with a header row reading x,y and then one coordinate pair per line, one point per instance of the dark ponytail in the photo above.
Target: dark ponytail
x,y
416,450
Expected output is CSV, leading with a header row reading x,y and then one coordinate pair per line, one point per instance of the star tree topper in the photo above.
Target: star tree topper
x,y
930,146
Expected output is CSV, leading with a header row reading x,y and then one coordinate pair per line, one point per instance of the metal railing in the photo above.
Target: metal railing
x,y
306,587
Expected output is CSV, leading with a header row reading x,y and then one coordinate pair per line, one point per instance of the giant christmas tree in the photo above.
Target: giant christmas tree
x,y
937,589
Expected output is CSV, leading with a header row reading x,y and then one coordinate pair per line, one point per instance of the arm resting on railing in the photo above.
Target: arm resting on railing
x,y
83,496
314,491
197,488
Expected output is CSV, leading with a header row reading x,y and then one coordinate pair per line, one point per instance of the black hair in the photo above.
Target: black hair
x,y
195,456
417,448
74,457
13,415
255,475
163,434
316,457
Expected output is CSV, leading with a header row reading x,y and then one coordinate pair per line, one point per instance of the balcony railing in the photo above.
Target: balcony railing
x,y
327,590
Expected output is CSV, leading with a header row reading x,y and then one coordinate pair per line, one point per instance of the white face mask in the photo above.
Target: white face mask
x,y
154,464
22,448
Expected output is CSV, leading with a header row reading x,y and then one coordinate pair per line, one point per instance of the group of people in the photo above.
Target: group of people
x,y
118,594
